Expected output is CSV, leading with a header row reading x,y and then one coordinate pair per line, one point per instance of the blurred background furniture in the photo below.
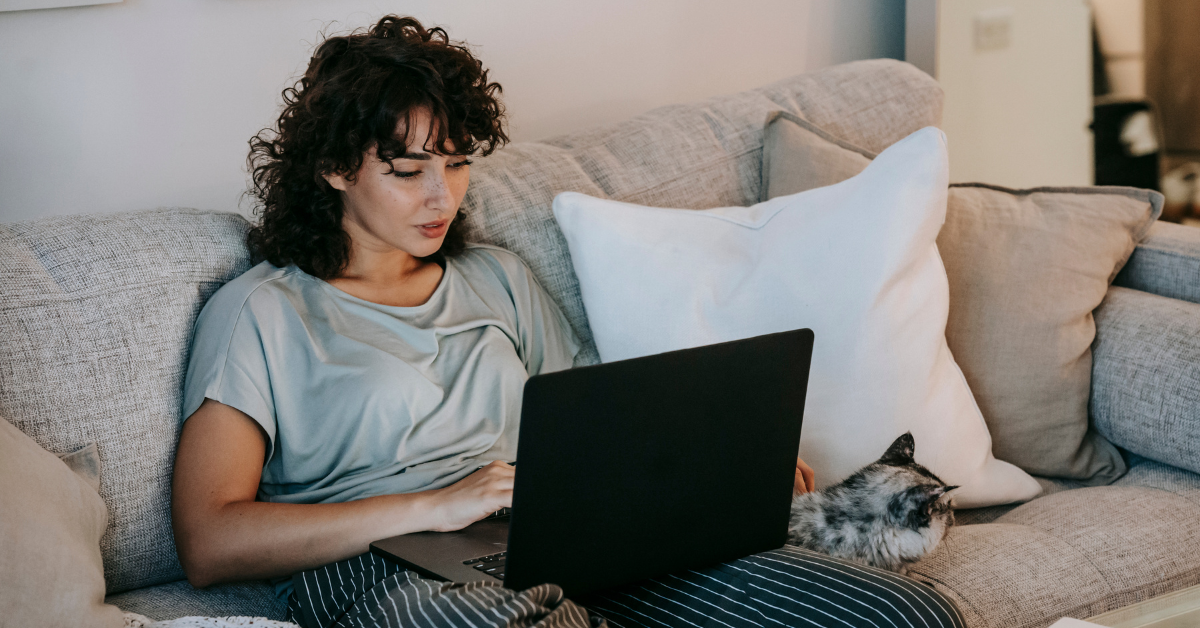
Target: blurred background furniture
x,y
1068,92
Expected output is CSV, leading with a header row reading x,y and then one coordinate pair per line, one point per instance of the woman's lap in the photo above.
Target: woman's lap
x,y
367,591
784,587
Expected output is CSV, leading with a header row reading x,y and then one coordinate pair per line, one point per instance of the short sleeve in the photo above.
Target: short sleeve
x,y
546,341
228,362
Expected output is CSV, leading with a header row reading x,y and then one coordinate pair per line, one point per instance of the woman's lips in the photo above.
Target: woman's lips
x,y
434,229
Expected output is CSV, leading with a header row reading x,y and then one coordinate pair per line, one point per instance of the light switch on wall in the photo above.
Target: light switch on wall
x,y
993,28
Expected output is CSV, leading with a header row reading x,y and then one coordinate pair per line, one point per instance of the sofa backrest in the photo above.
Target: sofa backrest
x,y
96,315
695,156
96,311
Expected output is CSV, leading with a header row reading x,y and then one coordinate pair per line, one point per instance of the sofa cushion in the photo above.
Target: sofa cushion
x,y
693,156
1146,376
51,520
257,599
96,314
799,155
1050,486
1166,263
1026,269
1075,553
1143,472
180,599
1150,474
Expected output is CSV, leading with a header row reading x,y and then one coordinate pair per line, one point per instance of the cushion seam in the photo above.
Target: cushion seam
x,y
690,173
965,601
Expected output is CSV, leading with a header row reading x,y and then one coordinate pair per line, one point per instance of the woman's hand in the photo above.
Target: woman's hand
x,y
474,497
805,479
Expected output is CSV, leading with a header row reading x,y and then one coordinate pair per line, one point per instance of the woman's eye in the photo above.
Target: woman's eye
x,y
407,175
461,164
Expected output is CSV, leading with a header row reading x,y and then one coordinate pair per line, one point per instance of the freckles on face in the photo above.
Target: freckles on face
x,y
407,204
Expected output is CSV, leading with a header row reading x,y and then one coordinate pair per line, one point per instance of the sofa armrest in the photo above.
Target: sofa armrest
x,y
1166,263
1146,376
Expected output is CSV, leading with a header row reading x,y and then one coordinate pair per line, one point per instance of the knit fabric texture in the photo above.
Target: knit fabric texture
x,y
1166,263
96,316
173,600
1146,376
1073,553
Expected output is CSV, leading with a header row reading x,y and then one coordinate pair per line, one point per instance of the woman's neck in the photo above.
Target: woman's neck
x,y
388,277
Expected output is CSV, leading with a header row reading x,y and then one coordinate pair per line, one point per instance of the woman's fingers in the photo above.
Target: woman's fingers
x,y
497,480
476,496
499,468
805,476
499,473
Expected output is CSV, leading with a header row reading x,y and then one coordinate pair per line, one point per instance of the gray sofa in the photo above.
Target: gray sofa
x,y
96,314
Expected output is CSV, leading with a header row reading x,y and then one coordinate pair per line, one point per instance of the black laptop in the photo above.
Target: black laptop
x,y
634,469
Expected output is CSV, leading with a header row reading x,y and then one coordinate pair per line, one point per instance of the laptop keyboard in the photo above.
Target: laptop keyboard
x,y
492,565
503,512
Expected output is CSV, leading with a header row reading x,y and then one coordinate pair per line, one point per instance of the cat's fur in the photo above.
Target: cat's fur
x,y
889,514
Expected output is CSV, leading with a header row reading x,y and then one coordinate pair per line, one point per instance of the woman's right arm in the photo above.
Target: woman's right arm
x,y
223,534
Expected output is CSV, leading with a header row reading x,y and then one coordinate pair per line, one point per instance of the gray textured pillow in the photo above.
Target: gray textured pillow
x,y
1147,376
1026,269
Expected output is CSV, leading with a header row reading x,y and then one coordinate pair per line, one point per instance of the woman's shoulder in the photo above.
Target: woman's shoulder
x,y
490,253
492,261
263,286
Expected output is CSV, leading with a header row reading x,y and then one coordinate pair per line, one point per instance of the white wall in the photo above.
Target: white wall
x,y
150,103
1017,115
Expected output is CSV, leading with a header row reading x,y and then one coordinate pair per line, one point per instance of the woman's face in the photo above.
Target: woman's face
x,y
408,206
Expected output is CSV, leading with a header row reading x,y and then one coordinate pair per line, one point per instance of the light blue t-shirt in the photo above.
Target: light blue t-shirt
x,y
361,399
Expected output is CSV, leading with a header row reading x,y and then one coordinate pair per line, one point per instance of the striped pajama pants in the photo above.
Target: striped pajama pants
x,y
785,587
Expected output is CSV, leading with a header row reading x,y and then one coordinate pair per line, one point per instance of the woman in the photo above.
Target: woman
x,y
364,380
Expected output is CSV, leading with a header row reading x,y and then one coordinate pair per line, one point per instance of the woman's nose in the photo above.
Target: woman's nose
x,y
438,193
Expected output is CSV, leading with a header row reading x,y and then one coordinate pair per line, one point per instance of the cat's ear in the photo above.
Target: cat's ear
x,y
901,451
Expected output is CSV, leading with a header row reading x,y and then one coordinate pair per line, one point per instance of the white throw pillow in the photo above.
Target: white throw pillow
x,y
856,262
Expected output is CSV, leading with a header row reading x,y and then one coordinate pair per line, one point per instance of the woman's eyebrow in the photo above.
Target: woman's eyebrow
x,y
417,156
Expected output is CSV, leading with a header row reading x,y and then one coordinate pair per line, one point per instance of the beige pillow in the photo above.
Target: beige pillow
x,y
1026,269
799,156
50,521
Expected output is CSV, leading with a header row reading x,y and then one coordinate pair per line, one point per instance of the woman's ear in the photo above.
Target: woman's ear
x,y
336,181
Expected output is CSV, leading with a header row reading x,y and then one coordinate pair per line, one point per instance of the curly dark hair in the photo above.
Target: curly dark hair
x,y
356,90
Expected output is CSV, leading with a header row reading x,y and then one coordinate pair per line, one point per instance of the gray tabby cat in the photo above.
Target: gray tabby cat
x,y
889,514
